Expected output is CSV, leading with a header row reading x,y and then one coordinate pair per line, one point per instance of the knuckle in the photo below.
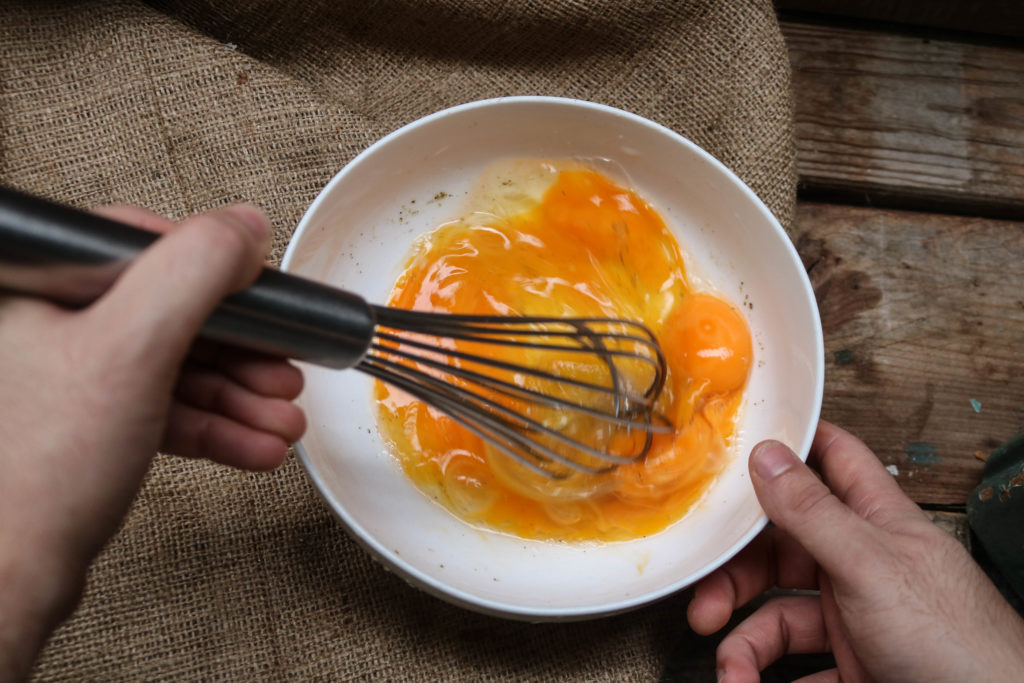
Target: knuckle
x,y
219,396
809,499
203,441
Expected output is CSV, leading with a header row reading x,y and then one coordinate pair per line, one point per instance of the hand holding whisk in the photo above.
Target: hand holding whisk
x,y
558,395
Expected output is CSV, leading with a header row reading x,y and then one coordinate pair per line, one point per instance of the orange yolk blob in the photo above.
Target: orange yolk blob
x,y
583,246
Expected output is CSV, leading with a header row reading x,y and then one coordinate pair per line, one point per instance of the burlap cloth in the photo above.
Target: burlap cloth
x,y
184,105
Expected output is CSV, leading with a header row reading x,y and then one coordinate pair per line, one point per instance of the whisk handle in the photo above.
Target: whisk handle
x,y
72,257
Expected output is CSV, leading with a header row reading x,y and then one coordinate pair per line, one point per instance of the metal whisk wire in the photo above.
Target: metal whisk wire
x,y
407,352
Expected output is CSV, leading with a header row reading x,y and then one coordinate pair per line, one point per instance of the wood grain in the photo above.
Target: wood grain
x,y
923,317
880,117
991,17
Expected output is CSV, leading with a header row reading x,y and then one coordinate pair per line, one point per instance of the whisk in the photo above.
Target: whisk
x,y
557,395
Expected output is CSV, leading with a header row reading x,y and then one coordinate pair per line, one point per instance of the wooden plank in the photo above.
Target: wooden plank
x,y
923,317
991,17
903,121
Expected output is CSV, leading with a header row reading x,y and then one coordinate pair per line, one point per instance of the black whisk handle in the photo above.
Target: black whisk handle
x,y
72,257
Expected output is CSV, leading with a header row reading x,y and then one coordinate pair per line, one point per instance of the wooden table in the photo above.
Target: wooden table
x,y
911,160
910,222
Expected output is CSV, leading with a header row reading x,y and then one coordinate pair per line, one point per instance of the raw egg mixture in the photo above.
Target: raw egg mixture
x,y
561,239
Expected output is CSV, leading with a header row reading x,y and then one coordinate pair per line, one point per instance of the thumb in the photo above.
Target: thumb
x,y
801,505
158,305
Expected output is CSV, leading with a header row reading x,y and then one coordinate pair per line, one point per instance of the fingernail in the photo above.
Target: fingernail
x,y
253,219
771,458
720,675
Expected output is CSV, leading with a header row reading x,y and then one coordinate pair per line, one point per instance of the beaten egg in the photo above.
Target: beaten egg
x,y
542,238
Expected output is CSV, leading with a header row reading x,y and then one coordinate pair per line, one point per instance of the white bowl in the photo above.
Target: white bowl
x,y
357,235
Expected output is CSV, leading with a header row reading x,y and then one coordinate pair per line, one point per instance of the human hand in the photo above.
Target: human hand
x,y
899,600
89,396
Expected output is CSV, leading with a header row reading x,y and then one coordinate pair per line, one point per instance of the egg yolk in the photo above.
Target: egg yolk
x,y
584,247
710,342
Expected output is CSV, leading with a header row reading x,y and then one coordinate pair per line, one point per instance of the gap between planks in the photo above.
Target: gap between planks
x,y
903,121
